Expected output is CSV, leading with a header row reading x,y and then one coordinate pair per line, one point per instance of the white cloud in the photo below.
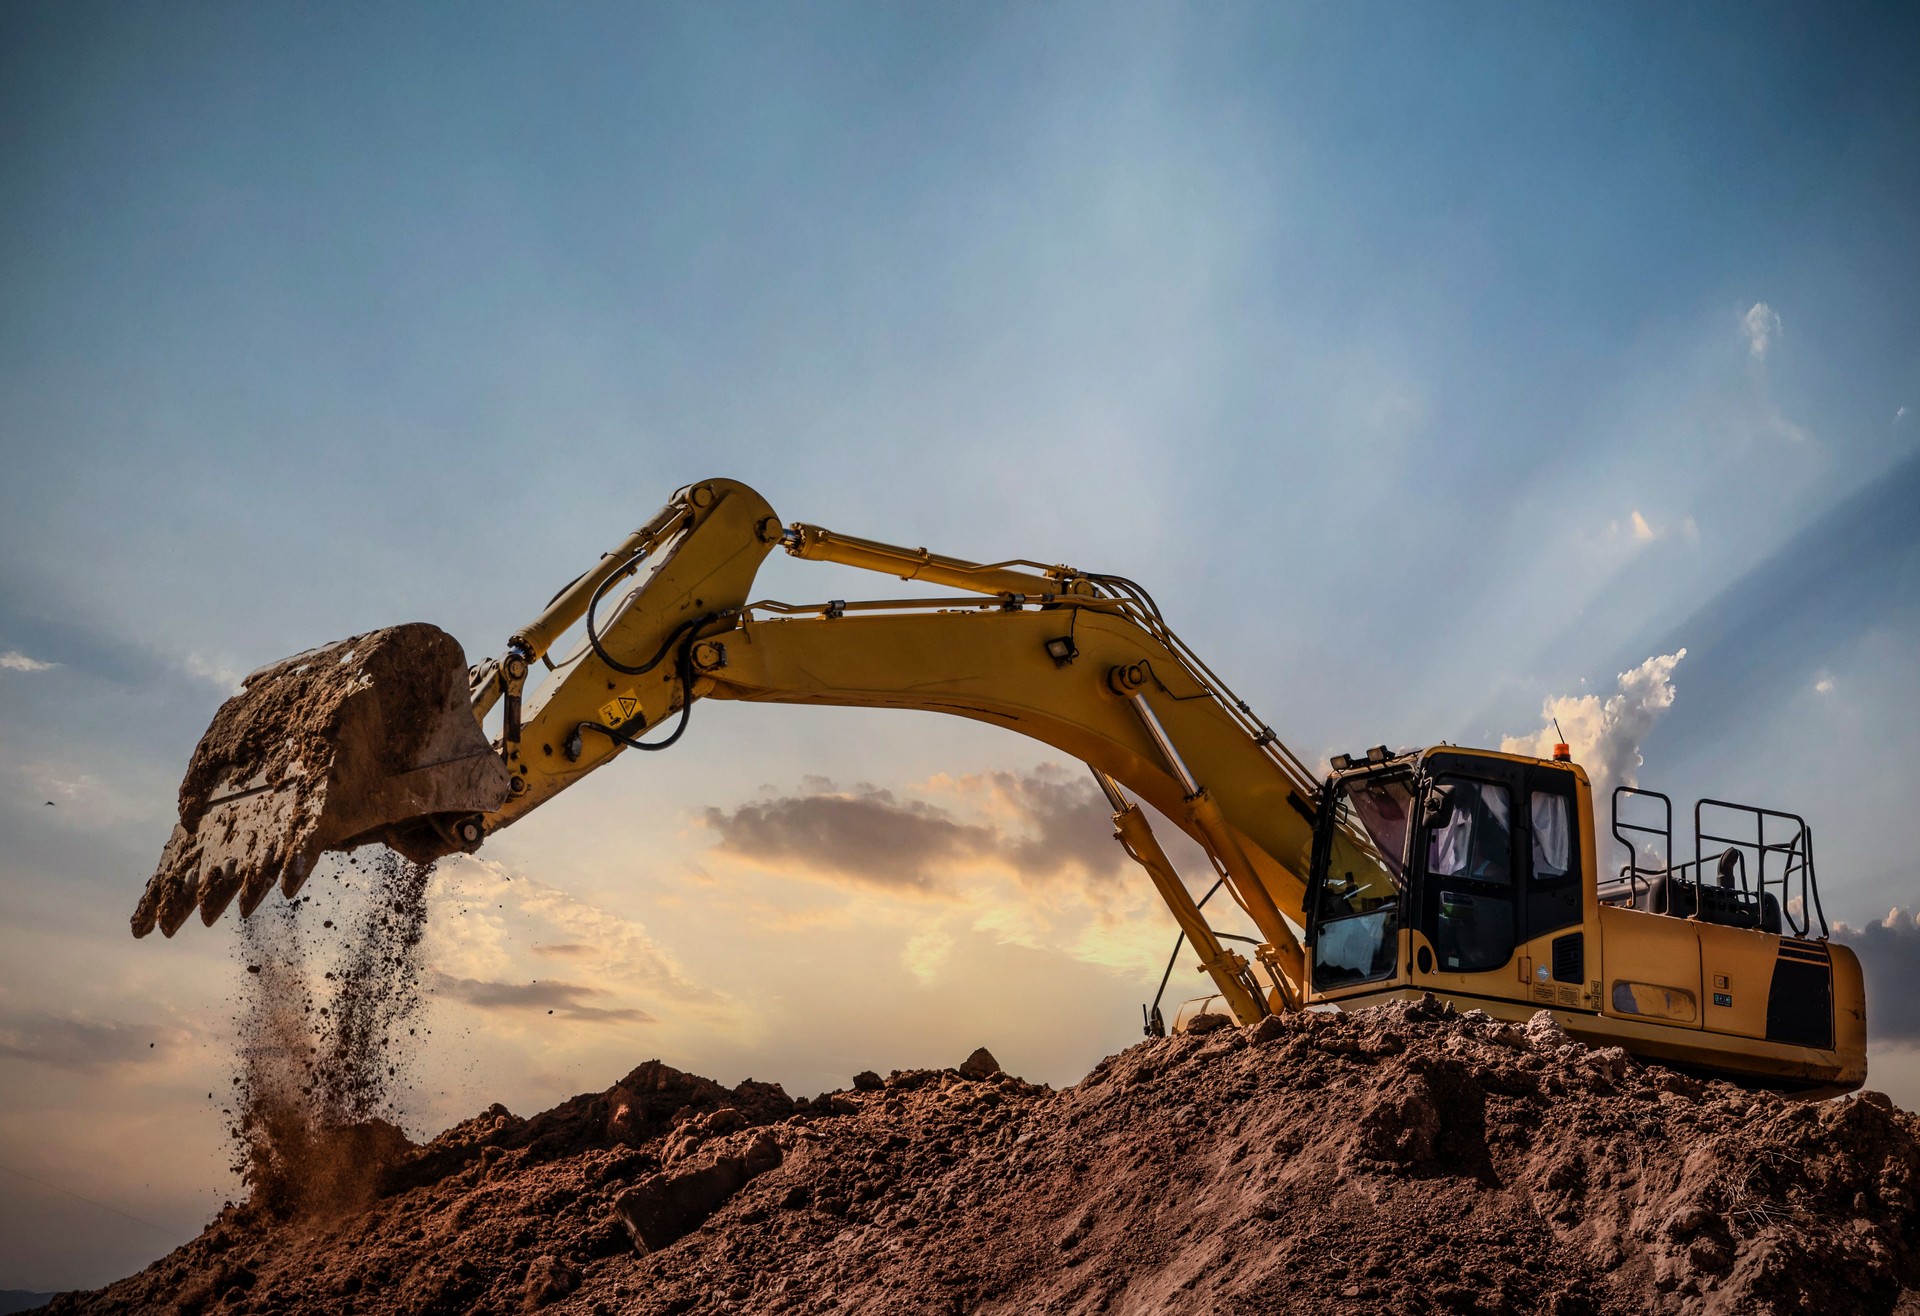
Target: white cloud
x,y
1635,528
202,668
926,953
491,941
1779,425
1763,329
15,661
1605,736
1900,413
1824,684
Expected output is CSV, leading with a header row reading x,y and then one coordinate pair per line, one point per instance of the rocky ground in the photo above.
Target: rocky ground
x,y
1406,1159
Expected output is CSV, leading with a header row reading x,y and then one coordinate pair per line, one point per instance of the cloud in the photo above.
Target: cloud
x,y
866,835
202,668
1042,828
1763,329
1605,736
1637,528
1024,858
565,999
15,661
1889,951
926,953
1823,684
489,929
566,950
72,1043
1053,825
1780,427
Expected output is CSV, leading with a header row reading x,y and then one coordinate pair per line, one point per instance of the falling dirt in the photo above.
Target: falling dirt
x,y
322,1064
1404,1159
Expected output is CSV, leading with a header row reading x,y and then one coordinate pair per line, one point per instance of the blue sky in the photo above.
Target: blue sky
x,y
1426,363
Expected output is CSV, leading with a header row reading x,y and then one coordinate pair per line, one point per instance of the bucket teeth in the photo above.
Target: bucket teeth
x,y
294,875
371,739
176,904
217,888
254,889
172,890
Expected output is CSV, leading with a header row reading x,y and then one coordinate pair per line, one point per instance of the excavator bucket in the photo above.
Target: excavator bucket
x,y
370,739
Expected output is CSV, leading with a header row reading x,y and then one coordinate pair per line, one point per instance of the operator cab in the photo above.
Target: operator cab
x,y
1476,853
1474,875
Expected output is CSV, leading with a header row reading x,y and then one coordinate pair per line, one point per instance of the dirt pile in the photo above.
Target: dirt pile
x,y
1406,1159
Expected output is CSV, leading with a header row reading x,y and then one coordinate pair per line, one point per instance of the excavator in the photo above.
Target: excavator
x,y
1468,874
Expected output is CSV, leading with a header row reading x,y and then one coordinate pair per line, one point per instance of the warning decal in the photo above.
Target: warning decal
x,y
620,710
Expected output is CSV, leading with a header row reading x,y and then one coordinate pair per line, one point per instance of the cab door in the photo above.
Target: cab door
x,y
1553,920
1472,905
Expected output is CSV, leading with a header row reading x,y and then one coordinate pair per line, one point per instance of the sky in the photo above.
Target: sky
x,y
1433,366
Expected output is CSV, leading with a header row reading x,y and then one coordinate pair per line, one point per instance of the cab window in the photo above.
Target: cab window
x,y
1475,841
1470,873
1551,816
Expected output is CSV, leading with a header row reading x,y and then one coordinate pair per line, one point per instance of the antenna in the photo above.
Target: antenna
x,y
1562,752
1558,734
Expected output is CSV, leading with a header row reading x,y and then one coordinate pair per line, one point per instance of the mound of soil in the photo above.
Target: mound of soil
x,y
1404,1159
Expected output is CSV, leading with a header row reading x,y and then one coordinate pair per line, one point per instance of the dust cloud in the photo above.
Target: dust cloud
x,y
330,1002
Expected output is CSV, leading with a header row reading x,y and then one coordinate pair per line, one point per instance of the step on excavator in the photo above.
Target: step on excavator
x,y
1469,874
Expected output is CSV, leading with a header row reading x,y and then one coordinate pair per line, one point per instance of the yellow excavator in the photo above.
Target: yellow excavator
x,y
1469,874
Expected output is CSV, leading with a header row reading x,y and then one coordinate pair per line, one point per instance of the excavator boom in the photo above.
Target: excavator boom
x,y
1083,662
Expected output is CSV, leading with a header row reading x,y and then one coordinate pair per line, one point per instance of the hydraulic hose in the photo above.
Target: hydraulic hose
x,y
593,631
685,669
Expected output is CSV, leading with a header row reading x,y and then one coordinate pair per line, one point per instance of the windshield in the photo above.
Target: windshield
x,y
1368,855
1356,931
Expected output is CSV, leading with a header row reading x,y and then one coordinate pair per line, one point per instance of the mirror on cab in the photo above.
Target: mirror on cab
x,y
1438,807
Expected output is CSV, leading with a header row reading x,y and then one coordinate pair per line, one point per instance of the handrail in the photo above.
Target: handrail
x,y
1782,868
1632,870
1795,854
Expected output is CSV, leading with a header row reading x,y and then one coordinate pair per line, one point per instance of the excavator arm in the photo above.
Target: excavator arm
x,y
1080,661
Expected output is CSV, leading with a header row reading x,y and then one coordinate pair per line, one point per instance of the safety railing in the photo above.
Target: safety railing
x,y
1781,848
1635,877
1762,876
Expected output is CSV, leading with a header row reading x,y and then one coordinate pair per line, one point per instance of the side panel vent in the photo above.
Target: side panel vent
x,y
1800,1002
1570,958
